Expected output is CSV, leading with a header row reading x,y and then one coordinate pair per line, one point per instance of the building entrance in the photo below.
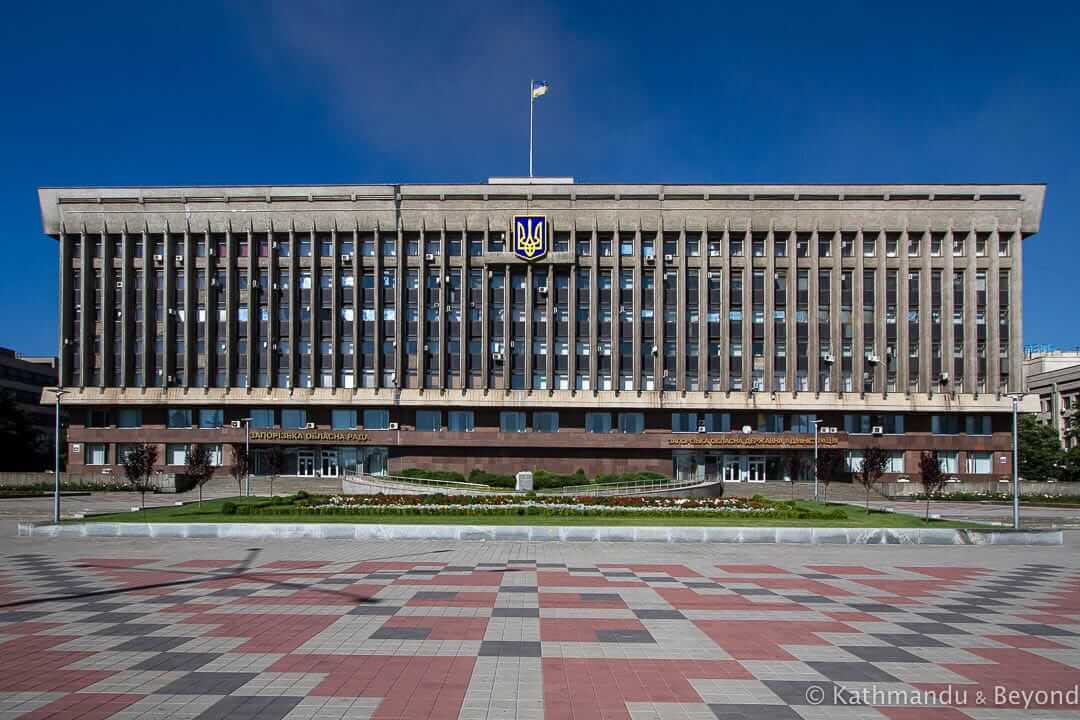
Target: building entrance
x,y
731,467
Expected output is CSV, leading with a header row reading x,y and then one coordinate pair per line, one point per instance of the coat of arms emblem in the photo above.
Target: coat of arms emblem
x,y
530,236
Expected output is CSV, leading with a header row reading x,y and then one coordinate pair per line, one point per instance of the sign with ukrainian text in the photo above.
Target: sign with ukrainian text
x,y
529,237
343,436
751,440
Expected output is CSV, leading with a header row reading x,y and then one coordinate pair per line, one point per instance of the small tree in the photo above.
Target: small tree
x,y
199,469
872,467
139,464
275,465
931,476
797,464
831,466
1040,450
241,462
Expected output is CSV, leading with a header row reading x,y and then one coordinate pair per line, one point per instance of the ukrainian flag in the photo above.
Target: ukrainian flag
x,y
539,88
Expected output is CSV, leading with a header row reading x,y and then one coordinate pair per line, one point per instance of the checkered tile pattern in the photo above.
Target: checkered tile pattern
x,y
527,639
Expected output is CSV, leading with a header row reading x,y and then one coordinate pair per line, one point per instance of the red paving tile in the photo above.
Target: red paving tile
x,y
461,599
844,570
753,570
581,600
85,706
443,628
582,629
762,639
575,689
411,687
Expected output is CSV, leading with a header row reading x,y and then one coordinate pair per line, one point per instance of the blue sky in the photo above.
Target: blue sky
x,y
314,92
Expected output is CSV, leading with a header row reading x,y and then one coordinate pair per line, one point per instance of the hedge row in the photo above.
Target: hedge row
x,y
542,479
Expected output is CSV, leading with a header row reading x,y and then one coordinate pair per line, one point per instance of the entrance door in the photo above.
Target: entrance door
x,y
733,468
305,463
756,468
329,463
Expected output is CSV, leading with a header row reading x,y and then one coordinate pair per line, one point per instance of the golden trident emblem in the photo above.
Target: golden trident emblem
x,y
529,236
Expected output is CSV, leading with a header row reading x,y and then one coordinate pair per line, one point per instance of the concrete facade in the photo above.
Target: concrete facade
x,y
1058,391
760,307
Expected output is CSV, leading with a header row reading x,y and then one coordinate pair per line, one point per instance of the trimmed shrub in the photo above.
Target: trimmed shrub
x,y
228,508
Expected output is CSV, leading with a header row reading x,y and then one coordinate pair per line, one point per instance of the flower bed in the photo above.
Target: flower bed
x,y
504,505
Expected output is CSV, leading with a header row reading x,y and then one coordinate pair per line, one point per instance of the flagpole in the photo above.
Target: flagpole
x,y
532,101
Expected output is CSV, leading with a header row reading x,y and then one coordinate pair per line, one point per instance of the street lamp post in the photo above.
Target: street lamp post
x,y
816,424
1016,462
59,393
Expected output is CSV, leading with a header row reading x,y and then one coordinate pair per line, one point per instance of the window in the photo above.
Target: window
x,y
211,418
511,421
979,463
429,420
123,450
546,421
129,417
895,463
461,421
178,418
978,425
176,454
802,423
684,422
598,422
97,418
632,422
293,419
214,455
947,461
945,425
717,422
95,454
376,419
261,418
342,419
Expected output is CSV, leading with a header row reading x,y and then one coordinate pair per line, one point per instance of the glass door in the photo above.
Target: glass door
x,y
329,463
756,468
305,463
733,468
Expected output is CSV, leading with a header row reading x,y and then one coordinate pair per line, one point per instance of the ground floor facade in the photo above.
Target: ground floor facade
x,y
736,446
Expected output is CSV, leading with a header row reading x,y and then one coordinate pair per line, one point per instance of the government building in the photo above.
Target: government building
x,y
700,331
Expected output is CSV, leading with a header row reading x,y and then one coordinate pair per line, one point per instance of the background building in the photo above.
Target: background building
x,y
696,330
23,377
1054,375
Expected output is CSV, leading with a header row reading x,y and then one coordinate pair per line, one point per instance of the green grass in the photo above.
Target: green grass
x,y
210,511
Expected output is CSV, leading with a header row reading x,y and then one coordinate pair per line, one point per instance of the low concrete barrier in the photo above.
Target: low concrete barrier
x,y
990,485
736,535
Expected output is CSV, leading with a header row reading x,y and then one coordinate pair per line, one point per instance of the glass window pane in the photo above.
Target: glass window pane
x,y
461,421
546,421
343,419
598,422
428,420
179,418
376,419
632,422
293,418
211,418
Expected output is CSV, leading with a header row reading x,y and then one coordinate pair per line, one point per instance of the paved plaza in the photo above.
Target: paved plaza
x,y
308,629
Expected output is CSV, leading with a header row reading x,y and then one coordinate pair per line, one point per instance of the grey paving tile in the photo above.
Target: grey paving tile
x,y
208,683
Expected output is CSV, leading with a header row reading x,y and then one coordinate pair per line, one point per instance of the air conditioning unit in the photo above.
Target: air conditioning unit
x,y
346,259
873,359
429,257
650,260
828,358
213,282
309,426
669,258
119,313
265,344
877,430
944,378
179,259
392,426
159,259
701,428
236,424
274,286
172,311
210,252
542,290
119,285
497,357
655,349
254,284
